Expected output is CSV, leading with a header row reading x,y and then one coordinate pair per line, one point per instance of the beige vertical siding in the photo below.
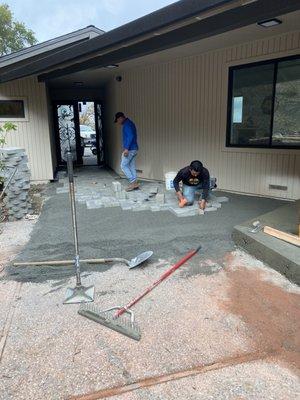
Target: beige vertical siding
x,y
32,135
180,108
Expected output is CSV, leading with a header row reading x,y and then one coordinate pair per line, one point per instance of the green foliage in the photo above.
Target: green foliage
x,y
6,128
87,117
14,35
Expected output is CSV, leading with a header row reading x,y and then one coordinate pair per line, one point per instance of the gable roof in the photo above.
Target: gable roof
x,y
49,46
178,23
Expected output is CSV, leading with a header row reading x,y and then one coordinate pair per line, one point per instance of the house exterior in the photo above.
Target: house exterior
x,y
212,80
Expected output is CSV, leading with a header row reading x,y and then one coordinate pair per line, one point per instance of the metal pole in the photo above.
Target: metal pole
x,y
73,213
79,294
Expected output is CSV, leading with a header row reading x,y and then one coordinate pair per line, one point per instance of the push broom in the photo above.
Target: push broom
x,y
114,318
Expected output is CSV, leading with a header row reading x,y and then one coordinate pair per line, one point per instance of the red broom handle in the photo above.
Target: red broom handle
x,y
163,277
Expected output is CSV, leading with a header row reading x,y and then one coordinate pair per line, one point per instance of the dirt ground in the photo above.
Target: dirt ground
x,y
224,326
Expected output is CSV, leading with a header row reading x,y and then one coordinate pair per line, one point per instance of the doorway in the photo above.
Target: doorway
x,y
78,126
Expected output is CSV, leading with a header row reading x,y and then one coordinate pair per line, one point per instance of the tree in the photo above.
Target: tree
x,y
87,115
14,35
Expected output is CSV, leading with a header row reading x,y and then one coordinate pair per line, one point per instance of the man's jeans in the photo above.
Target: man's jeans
x,y
128,165
189,192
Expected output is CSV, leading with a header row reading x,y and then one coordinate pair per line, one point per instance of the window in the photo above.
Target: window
x,y
264,104
12,109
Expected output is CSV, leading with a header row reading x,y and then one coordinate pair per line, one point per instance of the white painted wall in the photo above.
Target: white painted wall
x,y
33,134
180,109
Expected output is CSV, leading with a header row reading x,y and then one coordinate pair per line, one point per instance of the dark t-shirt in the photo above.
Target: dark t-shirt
x,y
185,176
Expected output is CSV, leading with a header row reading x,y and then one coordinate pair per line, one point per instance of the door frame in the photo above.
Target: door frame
x,y
73,103
99,133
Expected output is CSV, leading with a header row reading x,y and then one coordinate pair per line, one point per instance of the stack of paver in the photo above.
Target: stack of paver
x,y
152,197
17,194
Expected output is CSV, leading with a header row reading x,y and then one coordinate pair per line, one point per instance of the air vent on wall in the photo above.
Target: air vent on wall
x,y
278,187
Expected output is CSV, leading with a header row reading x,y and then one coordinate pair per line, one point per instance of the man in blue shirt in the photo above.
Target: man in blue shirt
x,y
130,149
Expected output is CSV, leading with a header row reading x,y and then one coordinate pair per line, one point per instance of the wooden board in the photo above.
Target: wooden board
x,y
287,237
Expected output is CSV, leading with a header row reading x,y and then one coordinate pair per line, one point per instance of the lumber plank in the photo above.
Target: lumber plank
x,y
287,237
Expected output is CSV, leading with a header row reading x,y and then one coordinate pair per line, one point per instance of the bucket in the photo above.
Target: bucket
x,y
169,177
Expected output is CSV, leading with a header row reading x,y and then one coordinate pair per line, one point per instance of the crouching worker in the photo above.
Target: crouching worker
x,y
194,177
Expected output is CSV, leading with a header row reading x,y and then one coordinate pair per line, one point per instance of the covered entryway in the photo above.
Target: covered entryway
x,y
78,109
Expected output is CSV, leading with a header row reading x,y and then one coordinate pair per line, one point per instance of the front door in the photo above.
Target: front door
x,y
66,123
78,126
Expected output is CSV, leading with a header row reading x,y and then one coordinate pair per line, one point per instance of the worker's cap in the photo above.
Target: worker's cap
x,y
118,115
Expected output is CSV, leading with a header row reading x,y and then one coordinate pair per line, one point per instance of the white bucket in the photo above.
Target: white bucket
x,y
169,177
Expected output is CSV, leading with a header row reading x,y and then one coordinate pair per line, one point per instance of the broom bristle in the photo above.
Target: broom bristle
x,y
121,324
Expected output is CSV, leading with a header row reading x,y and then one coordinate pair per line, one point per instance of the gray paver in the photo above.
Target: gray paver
x,y
91,204
98,193
222,199
210,209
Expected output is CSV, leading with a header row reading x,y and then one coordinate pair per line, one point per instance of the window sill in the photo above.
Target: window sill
x,y
14,119
260,150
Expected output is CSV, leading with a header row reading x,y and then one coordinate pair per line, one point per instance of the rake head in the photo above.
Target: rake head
x,y
124,324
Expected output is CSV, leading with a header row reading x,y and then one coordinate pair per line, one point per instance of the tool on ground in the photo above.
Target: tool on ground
x,y
80,293
133,263
111,318
256,227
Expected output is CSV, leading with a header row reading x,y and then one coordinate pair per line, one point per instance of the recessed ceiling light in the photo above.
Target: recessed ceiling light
x,y
112,66
270,22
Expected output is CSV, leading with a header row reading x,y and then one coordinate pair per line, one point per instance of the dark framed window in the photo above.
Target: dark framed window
x,y
12,109
264,104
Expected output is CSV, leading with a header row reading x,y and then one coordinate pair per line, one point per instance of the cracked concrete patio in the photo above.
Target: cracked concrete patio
x,y
224,326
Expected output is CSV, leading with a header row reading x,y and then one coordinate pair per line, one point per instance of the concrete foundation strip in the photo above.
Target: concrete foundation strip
x,y
9,318
173,376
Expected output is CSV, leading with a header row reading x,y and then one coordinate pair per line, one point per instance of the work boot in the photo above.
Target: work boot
x,y
133,186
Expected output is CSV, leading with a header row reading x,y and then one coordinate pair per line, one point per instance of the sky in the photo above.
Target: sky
x,y
52,18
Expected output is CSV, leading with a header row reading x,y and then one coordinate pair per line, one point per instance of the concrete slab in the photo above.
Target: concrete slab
x,y
281,256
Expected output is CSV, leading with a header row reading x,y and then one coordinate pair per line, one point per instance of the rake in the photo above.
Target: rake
x,y
121,319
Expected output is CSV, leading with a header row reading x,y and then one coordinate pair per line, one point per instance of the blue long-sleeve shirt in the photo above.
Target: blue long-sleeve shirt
x,y
129,135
